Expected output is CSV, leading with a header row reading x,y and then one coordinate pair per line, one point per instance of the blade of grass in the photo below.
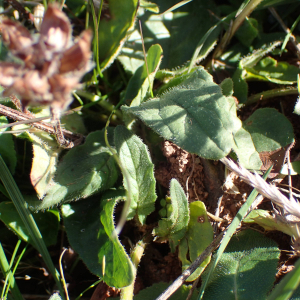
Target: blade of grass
x,y
229,233
286,287
5,269
145,58
96,45
28,220
14,271
88,288
179,4
8,276
3,191
204,38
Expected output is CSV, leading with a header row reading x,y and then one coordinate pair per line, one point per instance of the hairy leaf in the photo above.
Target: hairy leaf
x,y
265,130
269,69
249,258
175,225
84,170
269,129
138,86
194,115
199,235
91,233
174,31
120,16
245,150
134,156
240,84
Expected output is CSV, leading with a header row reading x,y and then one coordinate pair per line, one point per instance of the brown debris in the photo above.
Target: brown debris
x,y
183,166
51,69
103,291
234,197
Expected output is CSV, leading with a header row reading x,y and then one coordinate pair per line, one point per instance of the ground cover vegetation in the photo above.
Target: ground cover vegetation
x,y
149,150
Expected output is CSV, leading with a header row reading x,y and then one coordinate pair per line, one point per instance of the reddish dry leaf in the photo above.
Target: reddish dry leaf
x,y
52,69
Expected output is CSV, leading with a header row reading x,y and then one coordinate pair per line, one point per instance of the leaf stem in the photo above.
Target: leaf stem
x,y
136,255
271,94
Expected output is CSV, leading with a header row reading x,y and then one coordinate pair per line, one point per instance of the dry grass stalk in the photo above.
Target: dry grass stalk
x,y
269,191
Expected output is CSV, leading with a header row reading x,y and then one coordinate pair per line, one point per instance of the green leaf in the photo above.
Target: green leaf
x,y
75,6
269,69
240,85
269,129
91,233
175,226
227,87
199,235
135,157
265,130
150,6
47,222
239,81
264,219
195,116
138,86
245,150
45,155
252,59
156,289
28,220
174,31
288,286
84,170
247,32
250,260
7,147
113,30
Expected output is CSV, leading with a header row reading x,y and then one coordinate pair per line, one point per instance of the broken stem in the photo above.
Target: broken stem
x,y
25,118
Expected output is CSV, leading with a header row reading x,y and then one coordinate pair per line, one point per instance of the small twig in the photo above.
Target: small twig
x,y
58,131
191,269
190,294
25,118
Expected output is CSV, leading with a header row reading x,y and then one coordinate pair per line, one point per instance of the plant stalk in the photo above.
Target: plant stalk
x,y
136,255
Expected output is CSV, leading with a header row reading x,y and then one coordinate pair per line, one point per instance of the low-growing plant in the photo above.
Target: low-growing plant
x,y
170,79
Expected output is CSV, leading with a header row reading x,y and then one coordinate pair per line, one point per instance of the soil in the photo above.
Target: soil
x,y
222,192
